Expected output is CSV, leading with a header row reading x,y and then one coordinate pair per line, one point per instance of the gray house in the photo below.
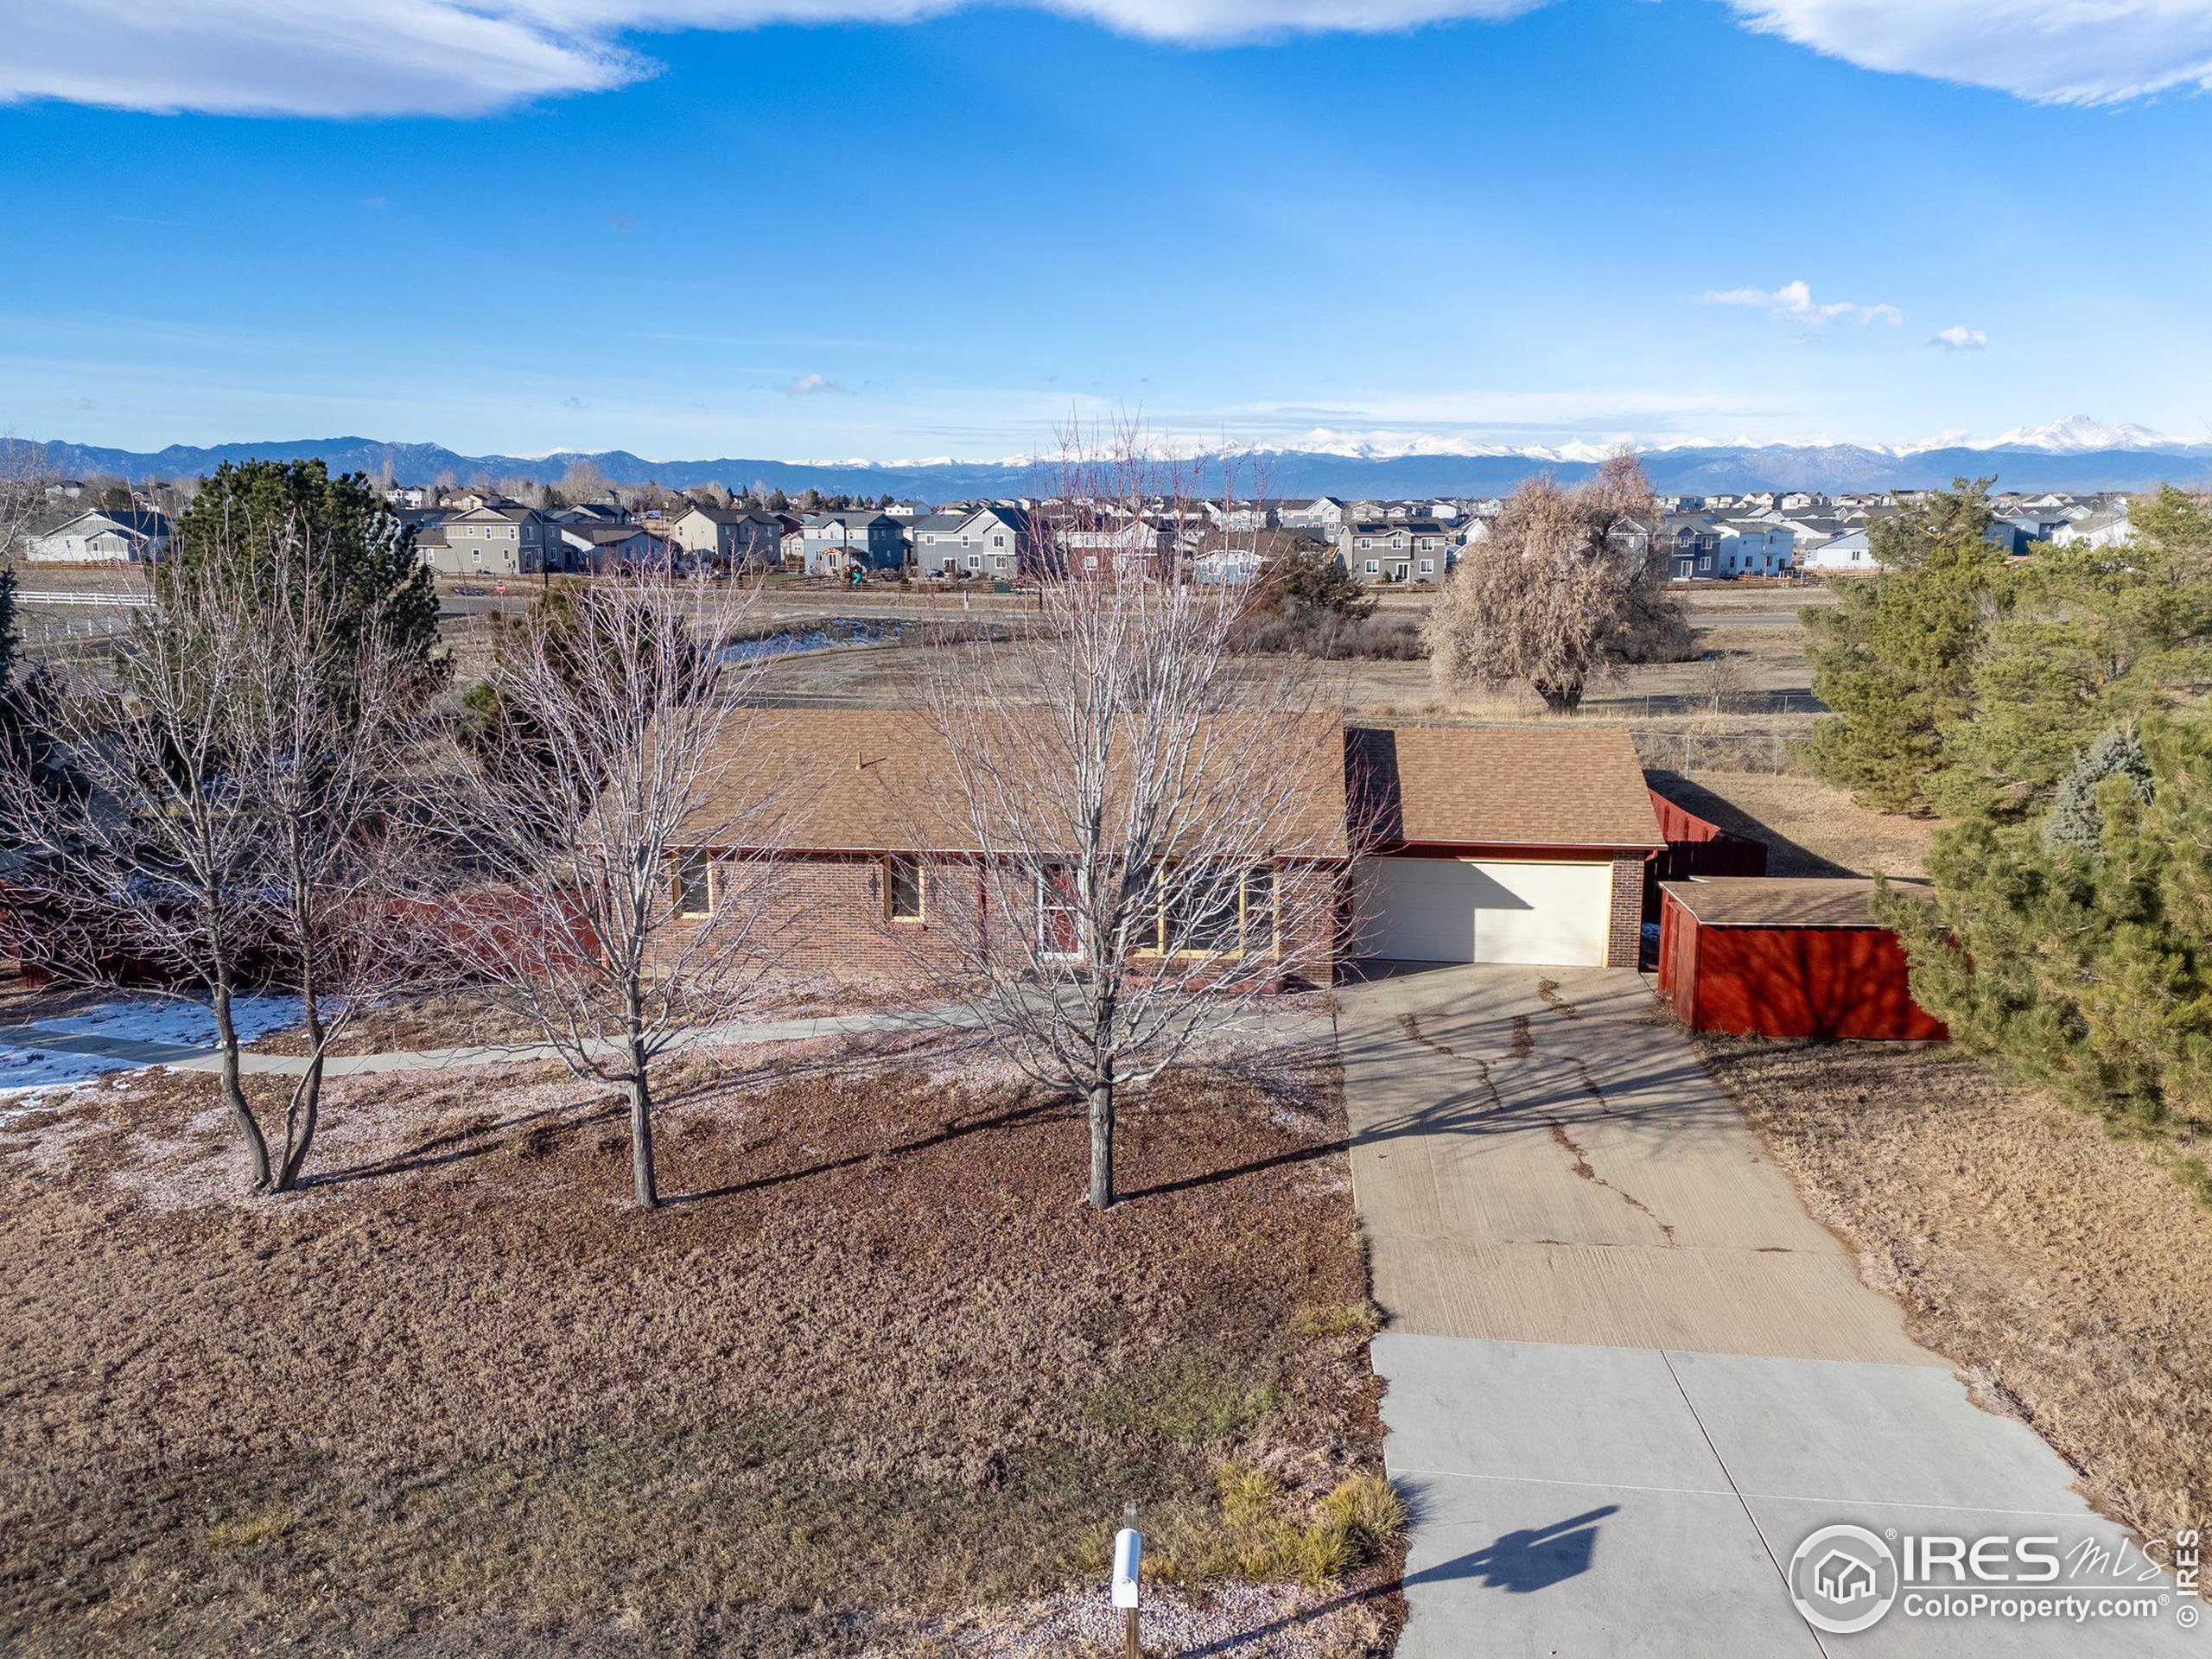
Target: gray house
x,y
836,542
1000,543
1391,550
734,538
498,541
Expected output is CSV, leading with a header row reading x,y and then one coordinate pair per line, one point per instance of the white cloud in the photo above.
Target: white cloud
x,y
297,57
1794,302
467,57
2051,51
1959,338
806,385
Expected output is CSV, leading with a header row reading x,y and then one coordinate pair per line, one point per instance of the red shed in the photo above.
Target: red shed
x,y
1786,957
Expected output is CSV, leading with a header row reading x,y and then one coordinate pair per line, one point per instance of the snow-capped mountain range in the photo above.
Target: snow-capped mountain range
x,y
2076,454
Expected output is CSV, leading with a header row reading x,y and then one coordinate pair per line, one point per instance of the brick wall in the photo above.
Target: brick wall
x,y
828,916
1624,940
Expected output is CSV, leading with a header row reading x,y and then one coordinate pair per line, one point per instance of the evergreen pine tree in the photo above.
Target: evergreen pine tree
x,y
2094,638
244,507
1893,656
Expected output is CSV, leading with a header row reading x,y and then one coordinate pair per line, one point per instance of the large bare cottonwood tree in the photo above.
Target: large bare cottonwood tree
x,y
1150,829
611,833
1562,593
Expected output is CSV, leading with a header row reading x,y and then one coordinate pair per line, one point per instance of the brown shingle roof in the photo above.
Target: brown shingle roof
x,y
1783,901
881,781
1485,786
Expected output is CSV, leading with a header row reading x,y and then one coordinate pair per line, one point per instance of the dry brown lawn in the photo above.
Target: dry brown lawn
x,y
878,1368
1809,827
2066,1274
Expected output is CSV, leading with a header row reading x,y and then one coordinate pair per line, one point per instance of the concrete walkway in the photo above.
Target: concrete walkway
x,y
1627,1373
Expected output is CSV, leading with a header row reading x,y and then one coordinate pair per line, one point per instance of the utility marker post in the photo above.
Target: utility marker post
x,y
1129,1566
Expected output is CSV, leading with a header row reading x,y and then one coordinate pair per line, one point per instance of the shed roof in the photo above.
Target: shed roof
x,y
1486,786
1783,901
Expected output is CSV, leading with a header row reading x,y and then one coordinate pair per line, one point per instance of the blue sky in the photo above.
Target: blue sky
x,y
1593,220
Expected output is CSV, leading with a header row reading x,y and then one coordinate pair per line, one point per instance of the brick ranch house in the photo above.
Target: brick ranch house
x,y
1482,845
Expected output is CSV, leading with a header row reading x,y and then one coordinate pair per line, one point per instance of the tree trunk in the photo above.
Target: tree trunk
x,y
641,1137
226,1034
1102,1142
299,1131
307,1102
1561,698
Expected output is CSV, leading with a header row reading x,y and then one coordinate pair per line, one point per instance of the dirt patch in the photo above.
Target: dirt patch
x,y
2066,1275
1547,990
1522,1043
877,1370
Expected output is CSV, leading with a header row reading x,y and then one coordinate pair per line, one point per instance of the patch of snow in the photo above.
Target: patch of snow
x,y
796,642
25,1062
185,1024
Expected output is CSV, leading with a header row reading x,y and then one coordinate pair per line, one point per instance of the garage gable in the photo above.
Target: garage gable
x,y
1483,786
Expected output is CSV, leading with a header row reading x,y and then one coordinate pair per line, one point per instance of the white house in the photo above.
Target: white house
x,y
103,535
1321,518
2105,527
1752,547
1851,554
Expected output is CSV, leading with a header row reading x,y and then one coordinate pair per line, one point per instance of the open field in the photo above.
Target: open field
x,y
2066,1275
1809,829
877,1379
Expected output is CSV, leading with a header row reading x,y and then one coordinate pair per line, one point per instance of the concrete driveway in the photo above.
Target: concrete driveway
x,y
1628,1374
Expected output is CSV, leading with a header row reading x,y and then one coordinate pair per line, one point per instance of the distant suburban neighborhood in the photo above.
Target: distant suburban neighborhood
x,y
582,526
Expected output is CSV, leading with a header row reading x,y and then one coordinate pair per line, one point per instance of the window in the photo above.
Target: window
x,y
903,888
1225,915
1373,567
1428,567
1059,921
695,885
974,561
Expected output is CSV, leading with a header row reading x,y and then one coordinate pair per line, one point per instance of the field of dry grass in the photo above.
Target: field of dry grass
x,y
1809,827
2067,1275
877,1382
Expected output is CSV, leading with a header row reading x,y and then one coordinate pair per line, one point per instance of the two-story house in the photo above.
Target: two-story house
x,y
1387,551
836,542
729,539
498,541
1000,543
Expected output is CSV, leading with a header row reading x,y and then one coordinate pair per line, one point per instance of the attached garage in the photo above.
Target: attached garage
x,y
1797,956
1502,846
1491,909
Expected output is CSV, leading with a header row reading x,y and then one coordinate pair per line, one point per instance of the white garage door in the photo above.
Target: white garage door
x,y
1485,910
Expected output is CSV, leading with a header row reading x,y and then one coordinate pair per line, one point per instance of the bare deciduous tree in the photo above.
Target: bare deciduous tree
x,y
228,825
582,483
623,901
1151,831
1562,593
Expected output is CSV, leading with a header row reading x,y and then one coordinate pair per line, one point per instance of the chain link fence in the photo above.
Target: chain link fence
x,y
1760,750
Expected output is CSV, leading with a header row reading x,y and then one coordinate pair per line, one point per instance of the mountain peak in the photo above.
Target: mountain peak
x,y
2079,435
